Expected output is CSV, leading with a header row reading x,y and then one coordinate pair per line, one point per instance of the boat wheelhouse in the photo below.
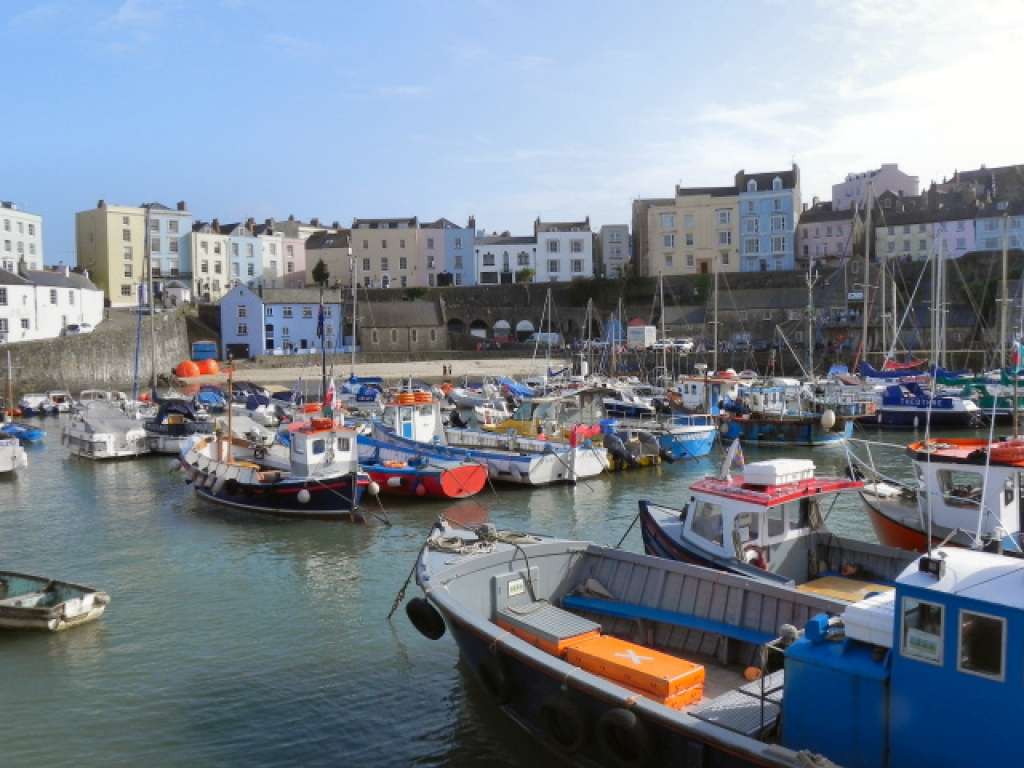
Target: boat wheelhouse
x,y
769,523
173,425
969,490
782,413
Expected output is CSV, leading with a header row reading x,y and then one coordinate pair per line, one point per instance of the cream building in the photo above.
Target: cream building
x,y
335,250
210,261
388,253
110,242
696,232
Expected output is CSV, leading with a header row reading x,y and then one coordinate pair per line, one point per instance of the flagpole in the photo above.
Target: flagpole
x,y
323,347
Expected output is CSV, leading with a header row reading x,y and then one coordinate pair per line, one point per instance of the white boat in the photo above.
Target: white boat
x,y
34,602
60,401
173,426
12,455
34,404
104,431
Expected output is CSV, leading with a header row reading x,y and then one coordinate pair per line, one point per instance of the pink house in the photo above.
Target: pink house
x,y
825,234
294,249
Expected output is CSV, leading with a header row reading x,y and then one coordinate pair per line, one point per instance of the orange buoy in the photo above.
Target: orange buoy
x,y
311,408
751,674
186,369
208,367
1007,451
423,397
323,423
406,398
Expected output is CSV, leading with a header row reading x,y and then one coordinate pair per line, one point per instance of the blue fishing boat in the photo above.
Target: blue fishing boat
x,y
907,406
687,436
727,670
783,413
25,433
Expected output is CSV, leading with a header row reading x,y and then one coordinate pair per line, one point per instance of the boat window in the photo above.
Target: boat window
x,y
319,446
746,526
982,644
960,489
796,514
298,446
707,522
344,445
922,630
776,521
1009,488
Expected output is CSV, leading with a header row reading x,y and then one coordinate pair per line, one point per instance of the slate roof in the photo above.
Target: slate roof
x,y
713,191
319,240
54,279
824,212
401,314
764,180
507,240
562,226
441,223
155,206
377,223
9,278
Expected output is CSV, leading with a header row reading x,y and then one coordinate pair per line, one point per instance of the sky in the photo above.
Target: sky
x,y
506,111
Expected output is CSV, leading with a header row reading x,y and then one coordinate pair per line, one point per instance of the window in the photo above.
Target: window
x,y
921,635
669,241
273,249
374,337
25,325
725,238
982,645
366,265
401,243
552,246
960,489
689,238
689,259
216,268
7,224
384,263
576,246
251,270
3,325
906,246
668,221
3,297
414,335
778,245
172,226
53,295
779,225
891,246
291,267
173,246
242,312
383,243
126,290
522,259
243,329
750,225
751,186
458,242
576,265
777,204
403,263
286,331
688,220
724,217
751,245
750,206
961,243
126,235
7,245
707,522
307,313
668,259
286,312
776,184
127,270
249,250
154,225
430,242
906,229
268,311
725,257
553,265
775,520
922,244
920,227
344,444
216,248
273,265
124,220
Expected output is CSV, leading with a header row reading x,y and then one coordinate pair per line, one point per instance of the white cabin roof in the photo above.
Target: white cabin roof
x,y
983,576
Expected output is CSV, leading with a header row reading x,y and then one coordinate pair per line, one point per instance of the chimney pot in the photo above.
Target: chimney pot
x,y
182,206
102,203
315,221
336,224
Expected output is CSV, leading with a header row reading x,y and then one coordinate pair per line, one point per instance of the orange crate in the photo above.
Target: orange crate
x,y
555,649
643,669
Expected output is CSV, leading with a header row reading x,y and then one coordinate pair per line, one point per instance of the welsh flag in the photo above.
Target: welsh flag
x,y
1017,353
329,397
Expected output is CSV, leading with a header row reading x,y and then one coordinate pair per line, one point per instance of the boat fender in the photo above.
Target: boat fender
x,y
394,482
421,489
231,487
303,496
218,485
828,419
425,618
373,488
623,737
563,723
753,555
495,679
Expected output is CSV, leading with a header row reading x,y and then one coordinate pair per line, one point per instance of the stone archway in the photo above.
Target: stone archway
x,y
502,330
478,328
456,326
524,329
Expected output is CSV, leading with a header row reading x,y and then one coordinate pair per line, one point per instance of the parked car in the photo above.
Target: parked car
x,y
76,329
683,345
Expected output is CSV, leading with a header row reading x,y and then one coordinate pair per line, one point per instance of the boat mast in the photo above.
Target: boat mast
x,y
812,278
323,348
354,274
1005,300
869,236
895,315
714,321
10,385
231,371
664,348
148,250
883,271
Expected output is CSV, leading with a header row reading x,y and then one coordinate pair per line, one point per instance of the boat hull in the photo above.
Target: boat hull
x,y
689,444
420,474
12,458
329,499
785,432
916,418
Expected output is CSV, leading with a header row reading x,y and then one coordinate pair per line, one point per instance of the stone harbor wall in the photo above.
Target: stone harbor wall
x,y
103,359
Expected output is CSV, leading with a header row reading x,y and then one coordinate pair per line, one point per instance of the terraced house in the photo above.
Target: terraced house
x,y
769,203
210,249
21,233
446,252
694,232
565,250
388,252
500,258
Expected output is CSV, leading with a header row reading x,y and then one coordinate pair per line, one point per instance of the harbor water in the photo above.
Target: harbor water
x,y
234,640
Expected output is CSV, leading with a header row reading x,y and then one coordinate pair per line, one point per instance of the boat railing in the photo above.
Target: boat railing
x,y
854,461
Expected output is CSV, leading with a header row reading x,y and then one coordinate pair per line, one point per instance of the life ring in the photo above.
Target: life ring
x,y
231,487
495,679
1007,451
322,423
563,724
425,618
758,560
623,737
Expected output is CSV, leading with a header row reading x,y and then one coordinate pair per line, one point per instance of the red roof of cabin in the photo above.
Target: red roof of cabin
x,y
771,495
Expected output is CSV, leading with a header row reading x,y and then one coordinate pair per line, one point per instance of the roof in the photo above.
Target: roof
x,y
975,575
789,178
507,240
713,191
770,495
383,223
57,279
296,296
318,240
995,210
441,223
401,314
824,212
10,278
155,206
562,226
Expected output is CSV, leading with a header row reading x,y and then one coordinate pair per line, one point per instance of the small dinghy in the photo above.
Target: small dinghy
x,y
25,433
410,472
34,602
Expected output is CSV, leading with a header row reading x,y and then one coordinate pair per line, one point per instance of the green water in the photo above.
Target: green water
x,y
245,641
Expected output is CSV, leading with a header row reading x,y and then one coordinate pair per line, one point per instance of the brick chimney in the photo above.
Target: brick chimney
x,y
182,206
101,204
315,221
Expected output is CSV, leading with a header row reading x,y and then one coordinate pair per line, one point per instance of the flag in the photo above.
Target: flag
x,y
320,322
329,395
733,460
1017,354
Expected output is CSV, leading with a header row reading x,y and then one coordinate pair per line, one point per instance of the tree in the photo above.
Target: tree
x,y
321,274
524,275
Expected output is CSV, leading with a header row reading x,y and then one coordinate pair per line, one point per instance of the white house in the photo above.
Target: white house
x,y
278,321
853,190
498,258
40,304
21,237
565,250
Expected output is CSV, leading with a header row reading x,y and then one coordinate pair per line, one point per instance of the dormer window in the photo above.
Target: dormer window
x,y
776,184
751,186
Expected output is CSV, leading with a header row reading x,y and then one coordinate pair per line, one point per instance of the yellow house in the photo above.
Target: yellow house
x,y
110,243
388,253
697,232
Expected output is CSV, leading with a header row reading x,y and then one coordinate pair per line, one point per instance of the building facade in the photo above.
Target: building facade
x,y
500,258
954,237
245,257
991,223
907,235
565,250
210,270
768,206
40,304
825,235
388,252
335,250
110,243
446,251
695,233
615,249
852,192
170,242
22,236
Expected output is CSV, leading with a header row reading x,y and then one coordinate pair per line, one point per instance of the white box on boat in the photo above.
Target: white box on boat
x,y
778,471
871,619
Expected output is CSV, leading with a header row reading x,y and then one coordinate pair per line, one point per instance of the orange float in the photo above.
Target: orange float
x,y
186,369
1007,451
208,367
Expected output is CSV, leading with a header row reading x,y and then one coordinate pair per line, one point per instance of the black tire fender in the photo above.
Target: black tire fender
x,y
624,738
563,723
495,679
425,618
231,487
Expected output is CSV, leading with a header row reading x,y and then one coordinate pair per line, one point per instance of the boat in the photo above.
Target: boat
x,y
769,523
172,426
907,405
35,404
104,431
315,476
413,421
24,433
210,398
782,413
60,401
993,400
12,455
687,436
260,409
605,657
968,494
407,471
34,602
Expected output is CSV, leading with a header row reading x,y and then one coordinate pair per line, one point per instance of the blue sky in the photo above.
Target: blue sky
x,y
502,110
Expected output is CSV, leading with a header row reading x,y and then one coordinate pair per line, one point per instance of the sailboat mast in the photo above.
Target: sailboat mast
x,y
714,323
323,348
895,315
811,280
868,237
10,385
152,304
883,272
1005,299
661,300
